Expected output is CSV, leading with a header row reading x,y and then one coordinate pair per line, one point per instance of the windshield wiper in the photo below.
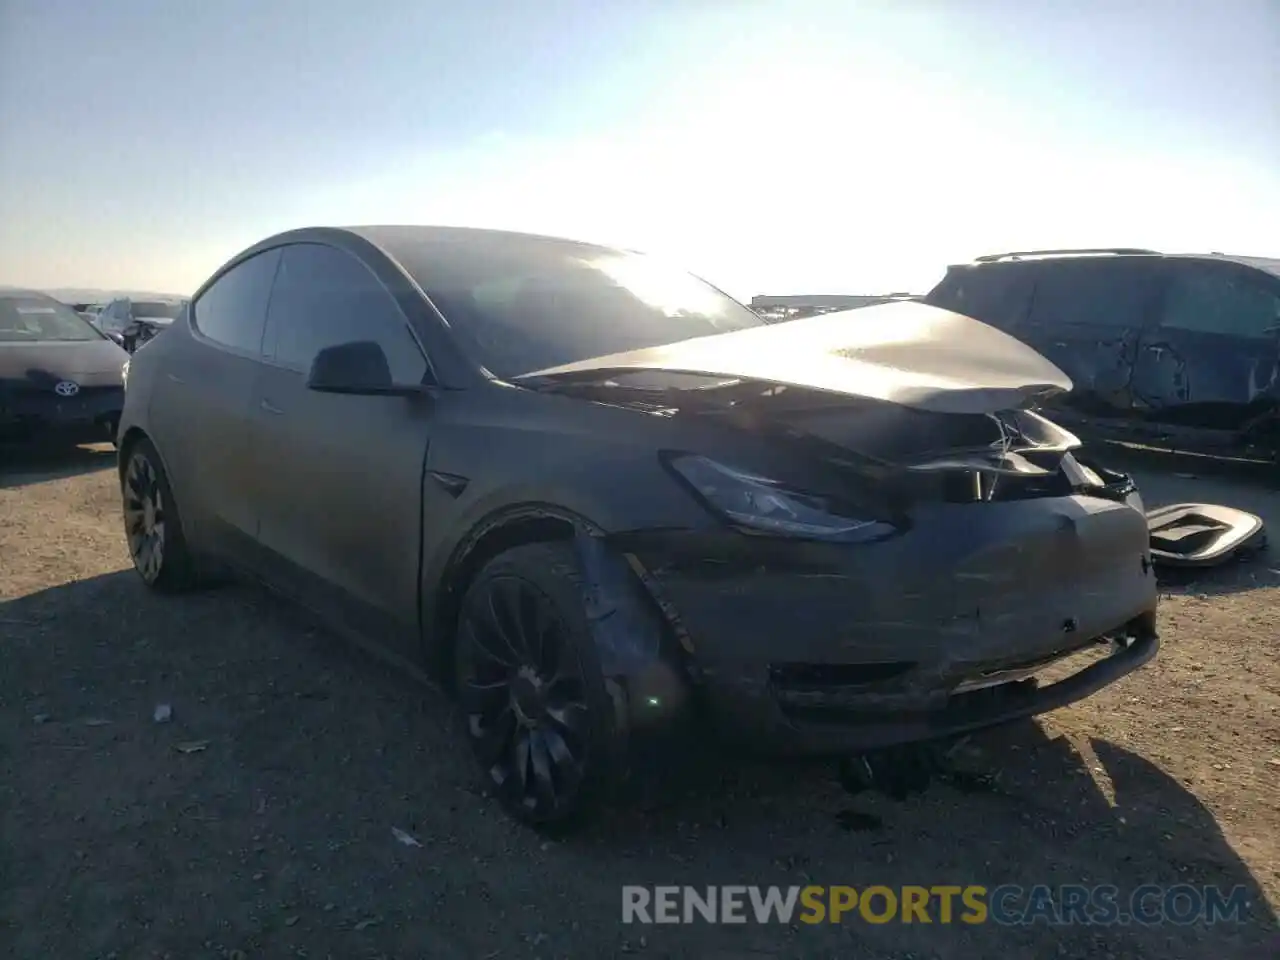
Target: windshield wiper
x,y
610,391
603,388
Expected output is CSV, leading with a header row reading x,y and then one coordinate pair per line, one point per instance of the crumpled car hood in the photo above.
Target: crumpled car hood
x,y
908,353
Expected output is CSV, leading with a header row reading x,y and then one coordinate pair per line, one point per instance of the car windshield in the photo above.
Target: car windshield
x,y
527,304
156,310
32,319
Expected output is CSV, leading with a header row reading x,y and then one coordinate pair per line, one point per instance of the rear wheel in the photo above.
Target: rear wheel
x,y
532,695
153,526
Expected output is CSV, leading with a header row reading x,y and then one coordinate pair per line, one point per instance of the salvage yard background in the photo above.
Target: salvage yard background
x,y
258,821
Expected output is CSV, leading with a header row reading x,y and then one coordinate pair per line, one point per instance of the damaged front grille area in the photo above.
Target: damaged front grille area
x,y
875,449
823,676
849,694
932,457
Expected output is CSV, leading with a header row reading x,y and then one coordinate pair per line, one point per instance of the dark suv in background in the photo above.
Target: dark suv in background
x,y
1182,350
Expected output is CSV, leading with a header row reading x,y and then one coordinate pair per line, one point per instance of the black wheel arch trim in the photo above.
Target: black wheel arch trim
x,y
641,645
128,440
442,584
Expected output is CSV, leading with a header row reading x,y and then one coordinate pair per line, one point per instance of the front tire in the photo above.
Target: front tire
x,y
153,526
533,698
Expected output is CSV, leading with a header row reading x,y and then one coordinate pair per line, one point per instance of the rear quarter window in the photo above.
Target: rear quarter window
x,y
997,295
232,311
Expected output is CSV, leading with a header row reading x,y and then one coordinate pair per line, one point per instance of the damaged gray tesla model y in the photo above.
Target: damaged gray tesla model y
x,y
596,496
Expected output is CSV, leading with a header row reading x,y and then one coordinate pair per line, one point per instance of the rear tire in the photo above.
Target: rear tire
x,y
534,703
153,525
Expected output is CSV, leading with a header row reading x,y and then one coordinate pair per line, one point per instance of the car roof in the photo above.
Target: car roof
x,y
413,247
1267,264
393,235
416,248
25,292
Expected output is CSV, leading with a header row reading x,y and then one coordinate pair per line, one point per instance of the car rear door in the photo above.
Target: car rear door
x,y
200,401
1212,360
1087,316
341,474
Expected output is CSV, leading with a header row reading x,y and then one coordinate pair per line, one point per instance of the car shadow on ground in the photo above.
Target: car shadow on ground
x,y
1247,573
260,815
1019,807
22,464
1186,465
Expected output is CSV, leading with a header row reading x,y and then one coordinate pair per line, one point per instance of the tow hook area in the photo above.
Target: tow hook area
x,y
902,771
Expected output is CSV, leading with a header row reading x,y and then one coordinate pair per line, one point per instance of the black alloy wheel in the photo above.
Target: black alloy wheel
x,y
151,522
529,686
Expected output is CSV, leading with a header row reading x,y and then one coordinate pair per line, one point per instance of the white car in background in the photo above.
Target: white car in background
x,y
134,322
89,311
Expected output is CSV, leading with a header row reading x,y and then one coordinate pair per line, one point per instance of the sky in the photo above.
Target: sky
x,y
796,146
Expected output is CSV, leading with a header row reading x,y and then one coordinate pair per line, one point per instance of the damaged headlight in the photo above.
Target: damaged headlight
x,y
768,506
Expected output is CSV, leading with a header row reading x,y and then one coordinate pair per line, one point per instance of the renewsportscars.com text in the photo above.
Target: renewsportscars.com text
x,y
1007,904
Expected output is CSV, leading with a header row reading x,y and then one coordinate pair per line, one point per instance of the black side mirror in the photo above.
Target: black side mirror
x,y
359,367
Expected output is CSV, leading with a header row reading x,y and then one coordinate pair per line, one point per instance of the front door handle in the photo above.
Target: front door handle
x,y
269,407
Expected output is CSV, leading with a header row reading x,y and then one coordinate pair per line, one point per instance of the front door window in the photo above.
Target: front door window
x,y
1213,299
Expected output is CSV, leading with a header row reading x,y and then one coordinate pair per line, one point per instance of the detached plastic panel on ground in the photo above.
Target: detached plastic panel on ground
x,y
1202,534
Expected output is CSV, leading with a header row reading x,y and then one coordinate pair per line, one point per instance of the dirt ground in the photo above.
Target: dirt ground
x,y
258,821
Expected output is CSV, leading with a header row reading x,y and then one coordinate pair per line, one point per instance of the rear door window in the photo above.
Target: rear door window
x,y
233,311
1112,294
1216,298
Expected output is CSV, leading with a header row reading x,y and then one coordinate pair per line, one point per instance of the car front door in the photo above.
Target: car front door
x,y
342,474
1213,359
1087,316
200,403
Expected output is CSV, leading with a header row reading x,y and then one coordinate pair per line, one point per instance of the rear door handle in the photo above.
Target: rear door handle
x,y
270,407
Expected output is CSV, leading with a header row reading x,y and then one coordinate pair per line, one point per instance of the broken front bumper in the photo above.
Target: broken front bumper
x,y
820,648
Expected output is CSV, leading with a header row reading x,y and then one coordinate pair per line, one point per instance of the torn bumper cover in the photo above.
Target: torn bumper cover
x,y
825,648
1203,534
991,552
